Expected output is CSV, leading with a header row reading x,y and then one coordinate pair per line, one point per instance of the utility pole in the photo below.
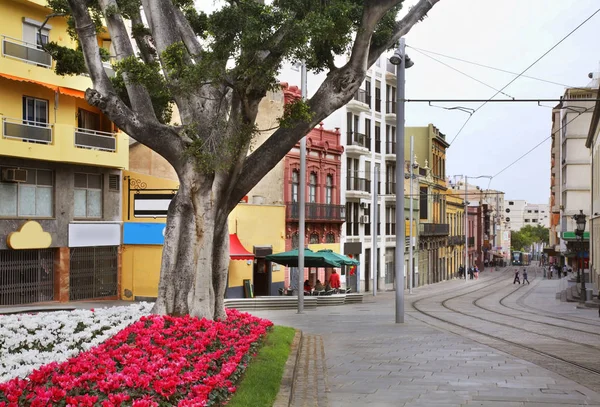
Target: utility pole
x,y
374,223
466,232
410,216
302,199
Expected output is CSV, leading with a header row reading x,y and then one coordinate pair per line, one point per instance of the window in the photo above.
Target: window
x,y
330,238
536,211
377,96
423,201
314,238
295,182
88,120
295,240
88,196
329,190
368,134
377,137
312,191
32,198
32,35
526,220
511,203
35,111
534,220
528,211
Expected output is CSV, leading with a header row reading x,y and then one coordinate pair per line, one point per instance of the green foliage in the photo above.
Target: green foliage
x,y
70,61
522,239
261,382
297,111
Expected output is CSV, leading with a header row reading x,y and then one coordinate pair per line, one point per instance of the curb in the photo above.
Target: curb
x,y
286,389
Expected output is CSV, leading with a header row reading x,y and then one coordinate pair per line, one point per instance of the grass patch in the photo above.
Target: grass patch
x,y
260,384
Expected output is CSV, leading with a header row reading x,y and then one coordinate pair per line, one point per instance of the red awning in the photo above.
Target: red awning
x,y
237,251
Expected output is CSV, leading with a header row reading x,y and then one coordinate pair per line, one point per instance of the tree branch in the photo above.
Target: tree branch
x,y
144,42
416,14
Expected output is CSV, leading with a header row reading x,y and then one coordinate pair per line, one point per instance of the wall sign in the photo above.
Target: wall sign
x,y
155,205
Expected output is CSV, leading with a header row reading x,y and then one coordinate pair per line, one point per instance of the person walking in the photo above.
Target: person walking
x,y
525,276
476,273
516,280
471,272
461,272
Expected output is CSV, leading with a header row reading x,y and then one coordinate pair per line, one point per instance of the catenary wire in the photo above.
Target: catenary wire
x,y
462,73
494,68
540,143
525,70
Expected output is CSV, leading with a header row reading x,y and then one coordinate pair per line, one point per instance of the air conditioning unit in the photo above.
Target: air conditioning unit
x,y
364,219
364,205
14,175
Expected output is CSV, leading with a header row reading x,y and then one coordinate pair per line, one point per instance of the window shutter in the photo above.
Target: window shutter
x,y
113,183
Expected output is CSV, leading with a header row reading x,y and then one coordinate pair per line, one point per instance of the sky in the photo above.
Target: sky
x,y
507,34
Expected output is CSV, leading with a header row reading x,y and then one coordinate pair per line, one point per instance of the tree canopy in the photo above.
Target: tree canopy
x,y
524,238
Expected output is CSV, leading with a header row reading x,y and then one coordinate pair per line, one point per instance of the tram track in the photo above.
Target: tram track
x,y
553,356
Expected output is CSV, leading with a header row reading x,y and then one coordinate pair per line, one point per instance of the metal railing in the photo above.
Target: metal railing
x,y
434,229
390,147
316,211
362,96
390,107
456,240
358,139
358,184
26,276
15,48
390,228
93,139
26,130
93,272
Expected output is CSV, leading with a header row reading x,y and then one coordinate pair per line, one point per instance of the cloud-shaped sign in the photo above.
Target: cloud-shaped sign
x,y
30,236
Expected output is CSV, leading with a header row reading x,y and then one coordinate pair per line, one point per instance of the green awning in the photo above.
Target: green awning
x,y
573,236
311,259
340,258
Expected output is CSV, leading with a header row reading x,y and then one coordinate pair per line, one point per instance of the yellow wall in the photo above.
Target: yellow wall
x,y
141,270
240,270
150,183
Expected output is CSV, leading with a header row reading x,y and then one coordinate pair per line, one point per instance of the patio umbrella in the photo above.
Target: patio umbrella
x,y
340,258
311,259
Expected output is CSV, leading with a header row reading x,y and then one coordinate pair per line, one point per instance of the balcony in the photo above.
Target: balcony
x,y
361,101
14,48
357,143
456,240
93,139
63,143
390,151
357,187
390,188
316,212
390,229
434,229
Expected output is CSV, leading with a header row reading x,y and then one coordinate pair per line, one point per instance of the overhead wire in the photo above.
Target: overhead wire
x,y
525,70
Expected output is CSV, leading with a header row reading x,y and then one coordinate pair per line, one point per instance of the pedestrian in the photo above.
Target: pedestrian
x,y
516,280
461,271
476,273
471,272
525,276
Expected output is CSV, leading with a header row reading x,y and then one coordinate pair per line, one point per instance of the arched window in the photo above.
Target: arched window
x,y
312,191
330,238
329,190
295,182
314,238
295,241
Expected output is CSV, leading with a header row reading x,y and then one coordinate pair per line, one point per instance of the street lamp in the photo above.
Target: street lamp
x,y
579,231
402,61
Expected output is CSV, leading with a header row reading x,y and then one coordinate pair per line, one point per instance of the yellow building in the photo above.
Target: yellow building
x,y
455,217
256,230
60,169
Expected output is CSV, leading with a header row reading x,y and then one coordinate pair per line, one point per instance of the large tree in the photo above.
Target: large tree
x,y
215,69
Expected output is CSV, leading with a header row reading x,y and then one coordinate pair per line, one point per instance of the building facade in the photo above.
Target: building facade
x,y
593,144
60,164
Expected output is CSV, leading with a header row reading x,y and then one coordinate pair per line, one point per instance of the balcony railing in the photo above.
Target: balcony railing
x,y
456,240
358,139
390,107
390,188
14,48
390,228
26,130
390,147
93,139
362,96
434,229
391,68
316,211
358,184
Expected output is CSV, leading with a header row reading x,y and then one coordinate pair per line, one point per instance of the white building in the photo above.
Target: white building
x,y
514,210
536,214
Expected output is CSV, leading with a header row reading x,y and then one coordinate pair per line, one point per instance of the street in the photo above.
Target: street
x,y
478,342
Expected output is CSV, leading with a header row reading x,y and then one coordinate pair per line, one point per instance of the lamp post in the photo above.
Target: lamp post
x,y
579,231
402,61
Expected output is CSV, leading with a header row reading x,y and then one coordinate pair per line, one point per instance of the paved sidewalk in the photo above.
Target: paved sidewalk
x,y
372,361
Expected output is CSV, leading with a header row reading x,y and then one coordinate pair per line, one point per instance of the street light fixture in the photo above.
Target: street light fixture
x,y
580,220
401,60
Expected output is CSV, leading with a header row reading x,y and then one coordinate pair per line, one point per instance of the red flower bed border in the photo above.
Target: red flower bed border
x,y
157,361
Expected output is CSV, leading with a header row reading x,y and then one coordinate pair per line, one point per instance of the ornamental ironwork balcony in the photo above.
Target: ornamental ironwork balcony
x,y
434,229
456,240
316,212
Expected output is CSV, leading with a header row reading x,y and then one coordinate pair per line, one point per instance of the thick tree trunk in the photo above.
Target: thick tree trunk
x,y
196,252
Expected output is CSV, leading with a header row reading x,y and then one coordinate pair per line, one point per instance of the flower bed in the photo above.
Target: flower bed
x,y
156,361
29,341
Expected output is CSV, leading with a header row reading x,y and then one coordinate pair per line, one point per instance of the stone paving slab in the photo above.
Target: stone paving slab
x,y
371,361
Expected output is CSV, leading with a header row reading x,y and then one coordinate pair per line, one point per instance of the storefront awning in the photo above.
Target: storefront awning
x,y
60,89
237,251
